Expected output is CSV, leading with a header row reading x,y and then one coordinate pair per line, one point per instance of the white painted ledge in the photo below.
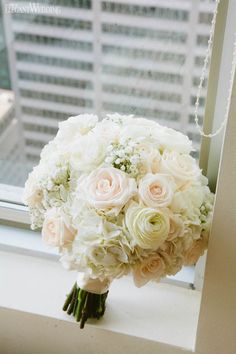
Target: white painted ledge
x,y
28,242
156,314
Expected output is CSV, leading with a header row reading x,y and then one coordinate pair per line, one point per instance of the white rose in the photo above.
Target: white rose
x,y
50,152
172,254
138,128
147,226
108,130
56,232
173,140
107,189
150,156
87,153
138,121
152,268
181,166
74,126
33,193
177,227
156,190
131,120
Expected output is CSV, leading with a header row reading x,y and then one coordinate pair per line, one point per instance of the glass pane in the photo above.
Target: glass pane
x,y
67,57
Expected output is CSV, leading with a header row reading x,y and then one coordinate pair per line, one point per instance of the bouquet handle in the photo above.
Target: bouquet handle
x,y
87,299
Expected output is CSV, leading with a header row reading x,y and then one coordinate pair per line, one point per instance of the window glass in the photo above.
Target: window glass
x,y
67,57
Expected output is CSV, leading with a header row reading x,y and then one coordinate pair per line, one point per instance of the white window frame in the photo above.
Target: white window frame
x,y
218,311
12,209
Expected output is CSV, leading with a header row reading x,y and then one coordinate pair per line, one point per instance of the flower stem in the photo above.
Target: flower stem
x,y
72,303
84,305
69,298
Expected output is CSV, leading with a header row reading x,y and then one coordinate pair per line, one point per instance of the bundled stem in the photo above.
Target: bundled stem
x,y
83,304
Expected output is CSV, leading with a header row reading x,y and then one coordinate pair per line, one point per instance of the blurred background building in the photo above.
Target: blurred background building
x,y
141,57
4,69
12,170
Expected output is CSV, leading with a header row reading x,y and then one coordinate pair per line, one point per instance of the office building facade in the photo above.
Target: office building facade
x,y
4,69
141,57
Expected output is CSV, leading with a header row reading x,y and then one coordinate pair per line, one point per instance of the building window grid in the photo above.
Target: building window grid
x,y
40,128
201,101
45,113
54,61
194,137
196,80
199,61
161,35
144,74
191,119
55,80
144,54
132,91
140,111
83,4
53,41
46,96
202,40
53,21
163,13
205,18
35,143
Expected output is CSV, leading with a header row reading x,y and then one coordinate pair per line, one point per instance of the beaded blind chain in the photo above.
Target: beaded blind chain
x,y
203,75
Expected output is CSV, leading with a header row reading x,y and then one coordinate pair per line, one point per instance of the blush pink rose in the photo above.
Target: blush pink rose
x,y
108,189
156,190
195,252
55,231
152,268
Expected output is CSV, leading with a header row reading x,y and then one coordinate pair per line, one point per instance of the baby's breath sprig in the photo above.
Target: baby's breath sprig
x,y
124,156
117,118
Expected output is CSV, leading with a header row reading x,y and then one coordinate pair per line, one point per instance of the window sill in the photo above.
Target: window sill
x,y
168,314
25,241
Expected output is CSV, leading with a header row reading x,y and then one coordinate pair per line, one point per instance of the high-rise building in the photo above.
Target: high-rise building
x,y
12,169
140,57
4,70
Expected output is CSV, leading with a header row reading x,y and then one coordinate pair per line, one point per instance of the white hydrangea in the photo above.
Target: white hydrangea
x,y
87,153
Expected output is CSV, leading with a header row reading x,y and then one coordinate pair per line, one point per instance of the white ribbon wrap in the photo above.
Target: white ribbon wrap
x,y
94,286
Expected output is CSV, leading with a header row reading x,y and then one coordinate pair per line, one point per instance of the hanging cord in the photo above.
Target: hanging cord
x,y
203,75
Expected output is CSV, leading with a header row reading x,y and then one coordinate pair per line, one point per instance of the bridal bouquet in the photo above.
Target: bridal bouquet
x,y
118,196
